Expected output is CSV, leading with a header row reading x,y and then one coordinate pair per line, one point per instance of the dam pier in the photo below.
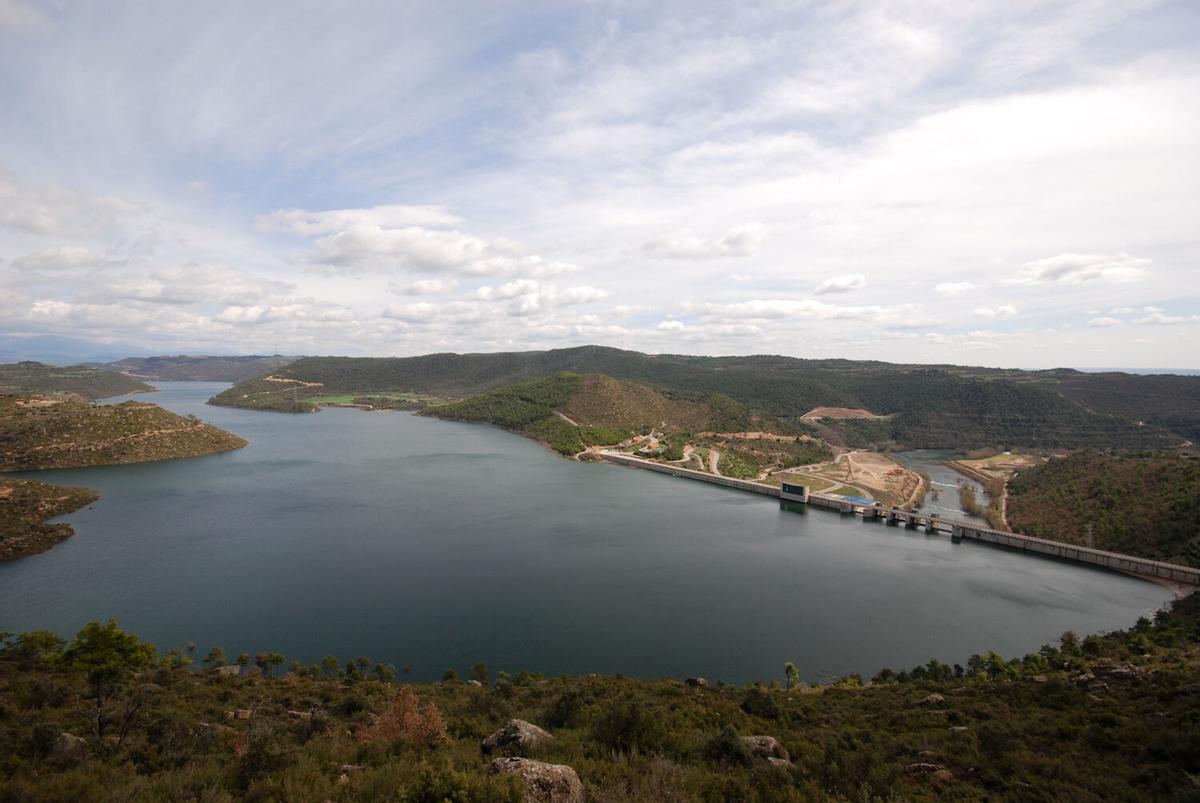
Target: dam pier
x,y
930,524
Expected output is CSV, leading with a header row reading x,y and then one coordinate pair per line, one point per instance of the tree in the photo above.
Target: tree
x,y
450,676
107,655
242,660
329,665
479,672
791,674
274,659
214,658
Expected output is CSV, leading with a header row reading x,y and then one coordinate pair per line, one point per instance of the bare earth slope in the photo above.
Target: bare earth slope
x,y
40,432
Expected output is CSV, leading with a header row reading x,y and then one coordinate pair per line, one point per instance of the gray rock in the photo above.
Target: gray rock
x,y
933,699
69,746
232,670
516,736
766,747
924,768
696,683
243,713
475,683
544,783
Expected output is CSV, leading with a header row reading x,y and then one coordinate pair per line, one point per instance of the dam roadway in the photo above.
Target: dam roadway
x,y
958,530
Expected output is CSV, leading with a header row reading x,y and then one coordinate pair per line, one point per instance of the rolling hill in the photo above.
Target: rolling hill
x,y
89,382
184,368
41,432
925,406
24,507
1141,504
569,412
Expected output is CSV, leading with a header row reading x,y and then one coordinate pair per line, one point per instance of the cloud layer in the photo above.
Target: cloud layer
x,y
999,182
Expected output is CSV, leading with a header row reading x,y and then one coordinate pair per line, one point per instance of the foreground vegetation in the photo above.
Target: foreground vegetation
x,y
88,382
41,432
1139,504
24,507
926,407
1113,717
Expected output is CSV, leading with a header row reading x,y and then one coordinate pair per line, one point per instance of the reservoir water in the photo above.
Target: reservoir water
x,y
429,544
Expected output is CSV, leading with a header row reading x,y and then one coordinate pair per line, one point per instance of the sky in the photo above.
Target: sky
x,y
1005,183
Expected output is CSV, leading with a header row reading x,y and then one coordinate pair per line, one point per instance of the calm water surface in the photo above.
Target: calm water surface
x,y
433,544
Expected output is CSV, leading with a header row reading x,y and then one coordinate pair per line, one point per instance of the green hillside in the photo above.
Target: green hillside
x,y
1142,505
91,383
24,507
184,368
61,432
928,407
1113,717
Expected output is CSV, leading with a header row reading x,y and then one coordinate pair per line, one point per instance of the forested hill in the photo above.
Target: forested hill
x,y
184,368
569,412
1140,504
89,382
928,406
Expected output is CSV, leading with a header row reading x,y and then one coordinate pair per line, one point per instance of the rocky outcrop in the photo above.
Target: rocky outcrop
x,y
232,670
696,683
933,700
544,783
517,736
69,747
767,748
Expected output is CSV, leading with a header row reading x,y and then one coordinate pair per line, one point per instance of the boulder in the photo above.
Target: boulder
x,y
958,729
544,783
475,683
1039,679
516,736
223,730
304,715
924,768
696,683
766,747
933,699
243,713
232,670
69,746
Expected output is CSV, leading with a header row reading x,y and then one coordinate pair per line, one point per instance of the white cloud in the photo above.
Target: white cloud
x,y
1075,269
61,260
1157,318
364,241
307,224
671,326
948,289
424,287
584,294
841,284
780,308
739,241
1105,322
996,313
60,213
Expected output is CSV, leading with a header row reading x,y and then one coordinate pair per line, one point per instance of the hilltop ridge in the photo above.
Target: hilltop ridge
x,y
87,381
920,406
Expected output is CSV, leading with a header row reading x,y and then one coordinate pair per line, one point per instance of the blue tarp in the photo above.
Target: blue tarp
x,y
858,500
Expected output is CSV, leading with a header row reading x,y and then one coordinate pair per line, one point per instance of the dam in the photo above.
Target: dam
x,y
931,524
